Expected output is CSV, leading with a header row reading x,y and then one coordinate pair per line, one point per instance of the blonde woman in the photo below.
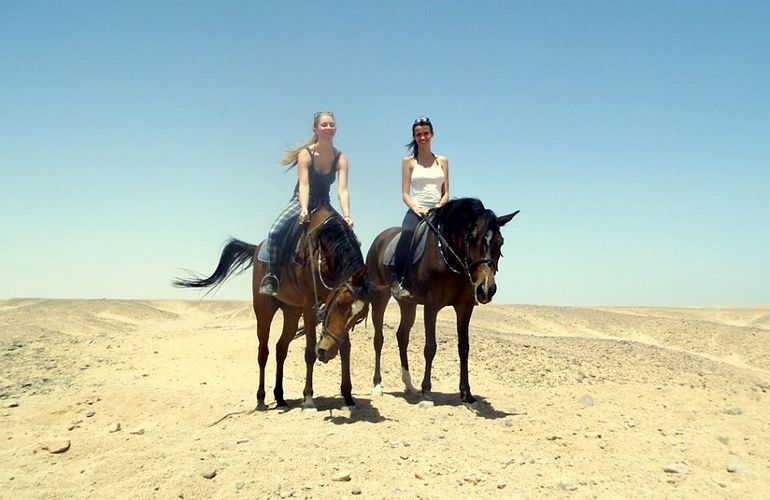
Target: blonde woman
x,y
318,164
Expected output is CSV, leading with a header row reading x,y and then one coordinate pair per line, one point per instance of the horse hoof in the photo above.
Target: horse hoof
x,y
261,406
309,409
377,390
426,403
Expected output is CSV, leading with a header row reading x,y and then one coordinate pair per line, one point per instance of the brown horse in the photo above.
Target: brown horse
x,y
325,282
457,269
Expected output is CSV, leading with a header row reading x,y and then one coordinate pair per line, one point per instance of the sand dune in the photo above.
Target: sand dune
x,y
576,402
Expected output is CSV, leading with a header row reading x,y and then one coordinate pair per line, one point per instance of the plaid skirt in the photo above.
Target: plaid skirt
x,y
278,231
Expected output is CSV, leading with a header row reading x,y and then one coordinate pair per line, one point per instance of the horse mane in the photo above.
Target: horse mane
x,y
335,233
344,247
456,218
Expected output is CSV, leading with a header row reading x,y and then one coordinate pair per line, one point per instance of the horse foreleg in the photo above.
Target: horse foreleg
x,y
464,313
408,311
429,352
379,302
346,387
310,358
290,321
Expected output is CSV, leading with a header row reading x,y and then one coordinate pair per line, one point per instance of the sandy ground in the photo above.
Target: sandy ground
x,y
575,403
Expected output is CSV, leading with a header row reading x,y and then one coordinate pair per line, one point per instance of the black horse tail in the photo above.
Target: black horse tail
x,y
236,257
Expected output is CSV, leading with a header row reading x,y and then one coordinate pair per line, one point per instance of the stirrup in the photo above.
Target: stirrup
x,y
269,285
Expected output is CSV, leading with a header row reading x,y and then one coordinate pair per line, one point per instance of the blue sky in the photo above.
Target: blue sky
x,y
135,137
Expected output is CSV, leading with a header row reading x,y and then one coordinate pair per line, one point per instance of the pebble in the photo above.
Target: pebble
x,y
567,486
57,446
355,491
501,486
138,431
735,467
425,403
724,439
675,468
114,427
90,413
341,476
586,400
12,404
732,410
208,472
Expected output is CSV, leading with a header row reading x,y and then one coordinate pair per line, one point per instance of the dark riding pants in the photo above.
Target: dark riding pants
x,y
408,226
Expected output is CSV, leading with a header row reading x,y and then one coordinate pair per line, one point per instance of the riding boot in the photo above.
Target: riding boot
x,y
397,289
269,285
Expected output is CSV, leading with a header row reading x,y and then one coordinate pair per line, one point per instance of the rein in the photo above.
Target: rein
x,y
319,307
466,268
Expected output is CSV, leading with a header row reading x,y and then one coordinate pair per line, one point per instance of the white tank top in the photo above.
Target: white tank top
x,y
426,184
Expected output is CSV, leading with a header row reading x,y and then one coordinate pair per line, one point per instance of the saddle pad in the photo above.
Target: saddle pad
x,y
263,256
389,258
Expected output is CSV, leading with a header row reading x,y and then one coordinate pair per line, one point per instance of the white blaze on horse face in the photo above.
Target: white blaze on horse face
x,y
358,306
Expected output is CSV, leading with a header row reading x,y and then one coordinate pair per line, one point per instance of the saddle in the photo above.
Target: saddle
x,y
416,248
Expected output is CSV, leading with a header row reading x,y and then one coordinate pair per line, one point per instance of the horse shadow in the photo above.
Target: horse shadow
x,y
364,411
482,407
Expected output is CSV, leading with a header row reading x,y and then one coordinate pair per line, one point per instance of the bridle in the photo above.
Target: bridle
x,y
321,308
466,267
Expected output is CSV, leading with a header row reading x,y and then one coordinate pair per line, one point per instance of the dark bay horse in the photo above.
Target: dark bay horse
x,y
326,283
460,272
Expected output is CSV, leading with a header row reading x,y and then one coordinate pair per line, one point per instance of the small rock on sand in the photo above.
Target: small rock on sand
x,y
341,476
57,446
586,400
208,472
675,468
115,427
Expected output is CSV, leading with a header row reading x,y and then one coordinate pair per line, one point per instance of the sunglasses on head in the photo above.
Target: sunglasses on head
x,y
319,113
423,120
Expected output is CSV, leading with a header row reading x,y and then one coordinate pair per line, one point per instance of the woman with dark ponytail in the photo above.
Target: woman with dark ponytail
x,y
318,164
424,186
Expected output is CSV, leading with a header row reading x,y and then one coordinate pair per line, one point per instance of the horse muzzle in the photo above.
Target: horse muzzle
x,y
484,292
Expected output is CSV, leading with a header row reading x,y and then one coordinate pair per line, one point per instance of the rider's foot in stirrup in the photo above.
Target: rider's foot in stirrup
x,y
269,285
398,291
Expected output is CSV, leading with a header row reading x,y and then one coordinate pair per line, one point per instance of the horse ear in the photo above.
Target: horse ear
x,y
504,219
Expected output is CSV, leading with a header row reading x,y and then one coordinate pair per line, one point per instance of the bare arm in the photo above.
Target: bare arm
x,y
342,188
406,180
303,171
444,162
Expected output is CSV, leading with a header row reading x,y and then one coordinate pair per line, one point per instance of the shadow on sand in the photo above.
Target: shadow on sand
x,y
481,407
335,411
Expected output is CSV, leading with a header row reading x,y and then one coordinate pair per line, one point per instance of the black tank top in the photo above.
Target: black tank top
x,y
320,184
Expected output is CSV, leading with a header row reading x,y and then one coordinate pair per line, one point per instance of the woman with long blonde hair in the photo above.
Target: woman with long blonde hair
x,y
318,163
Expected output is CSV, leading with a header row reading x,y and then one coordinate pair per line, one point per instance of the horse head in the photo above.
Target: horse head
x,y
340,273
347,306
473,232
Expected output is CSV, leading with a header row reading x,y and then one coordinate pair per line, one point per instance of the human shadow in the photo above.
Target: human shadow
x,y
482,407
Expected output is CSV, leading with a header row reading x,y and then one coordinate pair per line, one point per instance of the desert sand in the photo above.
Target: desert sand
x,y
107,398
